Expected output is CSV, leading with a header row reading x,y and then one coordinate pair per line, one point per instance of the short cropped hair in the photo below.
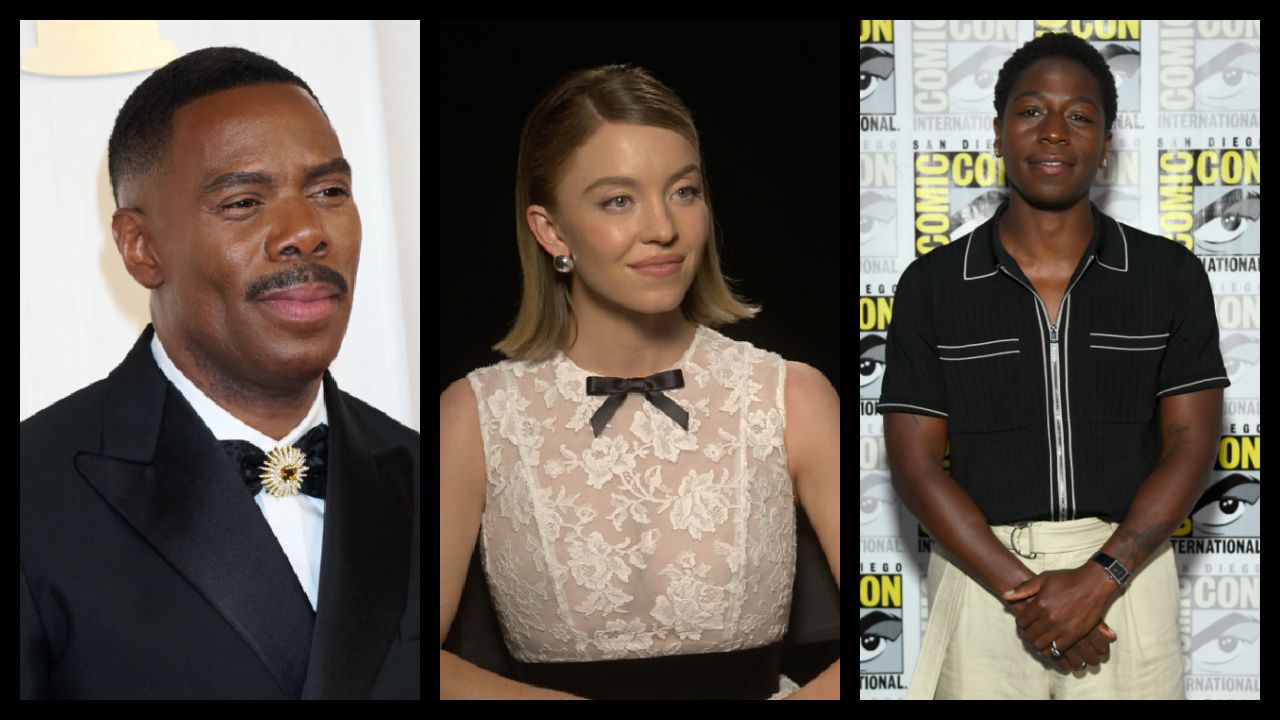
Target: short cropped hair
x,y
140,142
562,121
1063,45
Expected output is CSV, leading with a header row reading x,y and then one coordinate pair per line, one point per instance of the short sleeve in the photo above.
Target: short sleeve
x,y
912,381
1192,360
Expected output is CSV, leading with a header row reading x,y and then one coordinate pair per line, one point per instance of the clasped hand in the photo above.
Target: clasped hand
x,y
1065,606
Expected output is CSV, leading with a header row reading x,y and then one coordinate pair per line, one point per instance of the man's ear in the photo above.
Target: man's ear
x,y
129,229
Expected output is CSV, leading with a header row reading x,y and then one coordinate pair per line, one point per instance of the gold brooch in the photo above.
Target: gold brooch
x,y
284,470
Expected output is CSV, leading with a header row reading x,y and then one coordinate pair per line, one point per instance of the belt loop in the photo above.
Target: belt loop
x,y
1013,540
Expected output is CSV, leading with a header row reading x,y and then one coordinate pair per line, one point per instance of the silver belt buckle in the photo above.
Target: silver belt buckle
x,y
1013,540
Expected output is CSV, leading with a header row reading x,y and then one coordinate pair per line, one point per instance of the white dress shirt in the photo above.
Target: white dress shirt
x,y
298,520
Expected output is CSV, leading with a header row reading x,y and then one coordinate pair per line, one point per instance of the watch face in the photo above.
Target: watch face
x,y
1115,569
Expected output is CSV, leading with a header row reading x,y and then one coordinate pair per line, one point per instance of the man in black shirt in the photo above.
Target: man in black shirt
x,y
1073,363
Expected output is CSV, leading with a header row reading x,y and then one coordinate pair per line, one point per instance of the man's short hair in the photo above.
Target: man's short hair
x,y
139,145
1064,45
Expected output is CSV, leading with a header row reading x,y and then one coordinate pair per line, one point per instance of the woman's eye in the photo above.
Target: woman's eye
x,y
611,203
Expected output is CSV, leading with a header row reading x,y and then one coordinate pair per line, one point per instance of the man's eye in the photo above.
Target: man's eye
x,y
241,204
1076,115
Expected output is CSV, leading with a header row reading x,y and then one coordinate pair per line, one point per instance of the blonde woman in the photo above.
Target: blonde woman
x,y
630,474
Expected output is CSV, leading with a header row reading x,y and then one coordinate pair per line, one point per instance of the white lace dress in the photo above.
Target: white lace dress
x,y
649,540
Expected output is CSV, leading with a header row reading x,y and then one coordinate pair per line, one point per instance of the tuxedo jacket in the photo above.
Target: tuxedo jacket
x,y
149,572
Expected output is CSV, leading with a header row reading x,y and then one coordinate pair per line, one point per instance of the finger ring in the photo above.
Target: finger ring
x,y
1082,664
1053,650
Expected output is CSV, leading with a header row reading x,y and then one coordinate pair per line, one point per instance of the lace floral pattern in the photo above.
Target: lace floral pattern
x,y
651,539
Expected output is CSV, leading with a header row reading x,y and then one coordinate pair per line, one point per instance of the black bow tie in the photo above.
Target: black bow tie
x,y
280,472
650,386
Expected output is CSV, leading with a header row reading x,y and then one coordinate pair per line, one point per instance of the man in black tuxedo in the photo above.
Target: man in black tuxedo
x,y
216,518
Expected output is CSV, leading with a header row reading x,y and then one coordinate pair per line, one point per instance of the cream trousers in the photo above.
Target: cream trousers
x,y
972,650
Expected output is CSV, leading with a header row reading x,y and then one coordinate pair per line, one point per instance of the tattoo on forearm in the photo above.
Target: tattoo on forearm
x,y
1141,543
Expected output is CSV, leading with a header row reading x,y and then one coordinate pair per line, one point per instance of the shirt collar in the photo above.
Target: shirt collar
x,y
985,255
224,425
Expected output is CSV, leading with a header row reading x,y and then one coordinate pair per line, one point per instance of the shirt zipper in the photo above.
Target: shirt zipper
x,y
1057,412
1060,456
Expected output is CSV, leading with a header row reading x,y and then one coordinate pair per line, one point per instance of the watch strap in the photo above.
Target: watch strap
x,y
1118,572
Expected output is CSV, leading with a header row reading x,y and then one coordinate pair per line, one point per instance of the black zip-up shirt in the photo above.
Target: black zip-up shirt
x,y
1051,418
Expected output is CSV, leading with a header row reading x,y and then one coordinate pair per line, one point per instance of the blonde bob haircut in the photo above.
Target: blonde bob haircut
x,y
562,121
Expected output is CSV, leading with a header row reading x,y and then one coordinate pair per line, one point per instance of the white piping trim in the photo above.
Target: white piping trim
x,y
1197,382
977,357
965,269
880,405
991,342
1124,239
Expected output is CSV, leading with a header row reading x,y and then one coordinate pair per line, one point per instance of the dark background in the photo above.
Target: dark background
x,y
765,99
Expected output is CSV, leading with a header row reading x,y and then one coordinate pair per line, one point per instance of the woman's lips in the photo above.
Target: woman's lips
x,y
662,270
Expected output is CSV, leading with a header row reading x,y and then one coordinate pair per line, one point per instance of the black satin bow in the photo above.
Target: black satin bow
x,y
249,459
650,386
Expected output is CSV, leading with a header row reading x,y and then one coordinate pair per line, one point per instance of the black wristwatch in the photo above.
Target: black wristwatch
x,y
1113,568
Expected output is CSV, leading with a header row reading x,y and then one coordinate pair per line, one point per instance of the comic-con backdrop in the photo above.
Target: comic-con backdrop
x,y
1186,164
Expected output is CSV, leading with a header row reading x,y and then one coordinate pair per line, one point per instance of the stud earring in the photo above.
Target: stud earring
x,y
564,264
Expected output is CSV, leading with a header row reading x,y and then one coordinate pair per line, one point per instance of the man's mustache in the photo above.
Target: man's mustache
x,y
296,275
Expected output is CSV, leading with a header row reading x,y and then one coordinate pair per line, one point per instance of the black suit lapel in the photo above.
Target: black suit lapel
x,y
164,473
364,570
